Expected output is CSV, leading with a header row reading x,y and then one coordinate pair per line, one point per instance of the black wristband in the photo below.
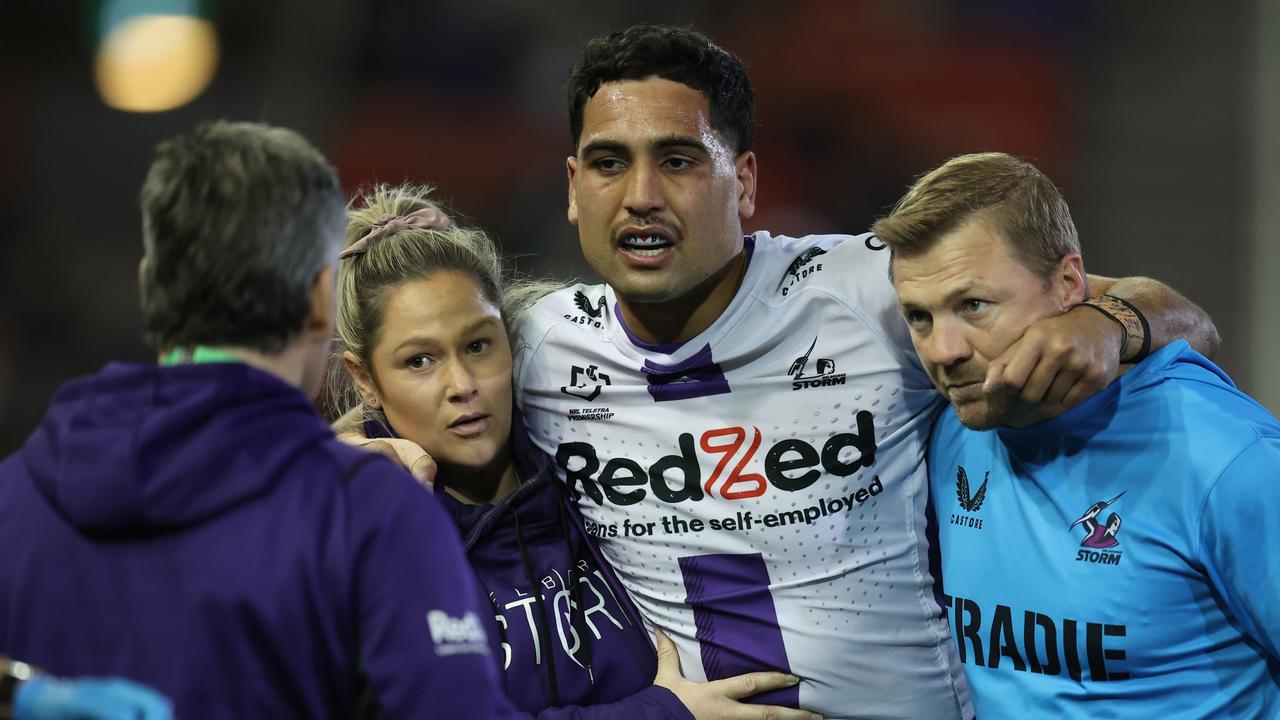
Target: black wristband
x,y
1124,331
1135,332
1145,350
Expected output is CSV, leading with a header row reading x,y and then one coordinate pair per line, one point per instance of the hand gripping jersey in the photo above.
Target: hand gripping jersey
x,y
1118,560
760,489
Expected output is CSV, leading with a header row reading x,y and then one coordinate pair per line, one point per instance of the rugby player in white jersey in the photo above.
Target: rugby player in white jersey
x,y
742,420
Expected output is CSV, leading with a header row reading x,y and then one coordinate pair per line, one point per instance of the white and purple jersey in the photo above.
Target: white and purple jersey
x,y
760,489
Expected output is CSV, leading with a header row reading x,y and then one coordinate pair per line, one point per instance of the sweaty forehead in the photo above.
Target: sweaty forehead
x,y
634,111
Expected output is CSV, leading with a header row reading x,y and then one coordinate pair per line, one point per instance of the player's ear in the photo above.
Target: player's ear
x,y
745,164
571,170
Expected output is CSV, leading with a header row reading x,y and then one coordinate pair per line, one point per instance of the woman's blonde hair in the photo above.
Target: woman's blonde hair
x,y
365,280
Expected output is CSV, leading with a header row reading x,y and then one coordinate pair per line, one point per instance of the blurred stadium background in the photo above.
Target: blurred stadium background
x,y
1160,121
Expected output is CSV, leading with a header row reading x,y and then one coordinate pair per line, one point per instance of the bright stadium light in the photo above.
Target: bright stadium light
x,y
154,56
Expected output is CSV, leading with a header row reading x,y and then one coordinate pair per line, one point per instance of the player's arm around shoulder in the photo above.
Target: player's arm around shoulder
x,y
854,270
855,267
421,618
1170,315
1063,360
1239,533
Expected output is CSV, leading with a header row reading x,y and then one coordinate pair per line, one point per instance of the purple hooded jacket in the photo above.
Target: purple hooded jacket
x,y
578,648
198,528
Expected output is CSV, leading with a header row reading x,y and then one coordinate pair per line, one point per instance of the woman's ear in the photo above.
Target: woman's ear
x,y
363,380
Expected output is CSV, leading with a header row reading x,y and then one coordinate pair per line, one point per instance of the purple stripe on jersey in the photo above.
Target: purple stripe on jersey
x,y
748,246
735,620
697,376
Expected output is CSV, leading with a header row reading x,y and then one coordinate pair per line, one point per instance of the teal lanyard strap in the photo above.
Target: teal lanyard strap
x,y
197,355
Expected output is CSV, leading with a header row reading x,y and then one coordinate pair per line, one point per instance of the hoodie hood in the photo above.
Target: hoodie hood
x,y
142,449
551,592
537,499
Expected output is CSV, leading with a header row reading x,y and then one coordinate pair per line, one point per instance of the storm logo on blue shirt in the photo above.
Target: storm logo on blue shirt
x,y
1099,536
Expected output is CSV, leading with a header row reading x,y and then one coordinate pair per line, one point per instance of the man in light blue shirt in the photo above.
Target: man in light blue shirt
x,y
1115,559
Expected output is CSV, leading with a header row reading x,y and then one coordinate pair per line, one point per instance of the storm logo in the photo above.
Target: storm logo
x,y
824,376
1097,535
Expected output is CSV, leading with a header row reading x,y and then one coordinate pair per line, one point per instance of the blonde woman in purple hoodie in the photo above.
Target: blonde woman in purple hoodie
x,y
424,359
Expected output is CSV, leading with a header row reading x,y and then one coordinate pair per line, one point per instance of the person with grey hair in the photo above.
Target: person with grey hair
x,y
193,524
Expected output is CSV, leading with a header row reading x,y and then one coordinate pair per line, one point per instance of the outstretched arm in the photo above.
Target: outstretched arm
x,y
1064,360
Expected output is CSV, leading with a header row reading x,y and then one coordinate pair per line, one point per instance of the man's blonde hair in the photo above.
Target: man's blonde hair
x,y
1014,197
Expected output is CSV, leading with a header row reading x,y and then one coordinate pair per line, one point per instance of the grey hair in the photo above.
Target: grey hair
x,y
238,219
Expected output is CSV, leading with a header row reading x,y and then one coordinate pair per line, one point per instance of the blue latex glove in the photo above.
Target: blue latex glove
x,y
49,698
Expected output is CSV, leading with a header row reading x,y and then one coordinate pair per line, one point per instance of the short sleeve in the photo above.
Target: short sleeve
x,y
863,278
528,330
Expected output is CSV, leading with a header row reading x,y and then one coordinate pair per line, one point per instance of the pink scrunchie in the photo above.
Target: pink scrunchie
x,y
425,219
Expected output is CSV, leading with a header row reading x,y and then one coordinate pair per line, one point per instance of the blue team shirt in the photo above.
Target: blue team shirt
x,y
1120,560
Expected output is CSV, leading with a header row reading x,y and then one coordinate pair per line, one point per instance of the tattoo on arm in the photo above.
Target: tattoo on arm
x,y
1135,333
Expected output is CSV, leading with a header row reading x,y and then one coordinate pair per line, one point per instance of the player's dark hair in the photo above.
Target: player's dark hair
x,y
1011,194
238,219
678,54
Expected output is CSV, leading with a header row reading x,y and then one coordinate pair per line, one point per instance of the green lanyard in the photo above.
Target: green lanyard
x,y
197,355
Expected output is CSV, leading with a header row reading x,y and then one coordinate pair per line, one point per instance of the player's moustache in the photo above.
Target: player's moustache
x,y
649,221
